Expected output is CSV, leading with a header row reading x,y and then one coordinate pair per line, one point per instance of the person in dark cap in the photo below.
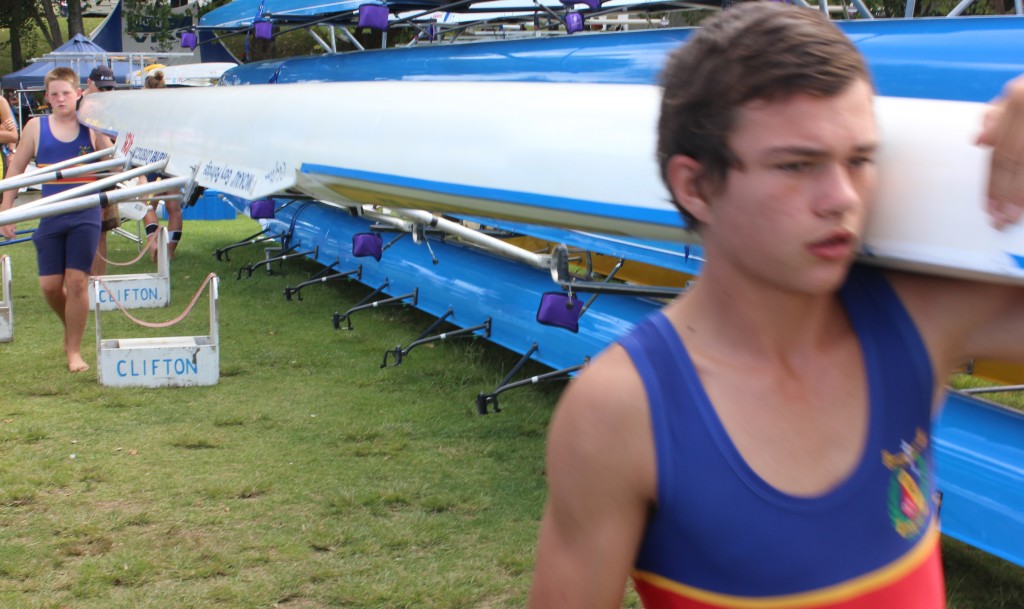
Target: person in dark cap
x,y
100,79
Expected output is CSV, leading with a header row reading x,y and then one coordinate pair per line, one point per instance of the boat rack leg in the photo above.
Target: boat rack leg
x,y
261,237
485,399
284,255
365,303
399,353
322,277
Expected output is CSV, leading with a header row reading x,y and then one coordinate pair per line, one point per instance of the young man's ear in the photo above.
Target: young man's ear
x,y
683,175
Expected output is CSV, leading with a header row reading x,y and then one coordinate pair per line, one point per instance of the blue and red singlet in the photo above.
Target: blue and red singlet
x,y
50,150
722,538
68,240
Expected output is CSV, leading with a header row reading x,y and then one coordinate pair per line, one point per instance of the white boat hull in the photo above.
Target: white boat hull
x,y
572,155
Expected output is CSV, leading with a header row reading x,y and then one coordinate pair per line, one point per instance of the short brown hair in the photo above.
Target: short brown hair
x,y
61,73
154,80
754,51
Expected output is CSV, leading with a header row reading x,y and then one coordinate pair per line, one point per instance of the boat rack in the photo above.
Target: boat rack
x,y
137,290
176,361
368,303
399,352
323,276
6,306
483,400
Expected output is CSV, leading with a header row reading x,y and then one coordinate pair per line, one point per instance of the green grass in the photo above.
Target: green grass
x,y
308,477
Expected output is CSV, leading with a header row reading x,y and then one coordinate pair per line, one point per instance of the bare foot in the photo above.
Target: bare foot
x,y
76,363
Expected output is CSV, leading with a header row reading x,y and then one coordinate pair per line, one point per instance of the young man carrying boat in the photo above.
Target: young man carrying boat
x,y
65,244
764,441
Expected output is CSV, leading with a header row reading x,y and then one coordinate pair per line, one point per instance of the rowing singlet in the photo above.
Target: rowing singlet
x,y
721,537
50,150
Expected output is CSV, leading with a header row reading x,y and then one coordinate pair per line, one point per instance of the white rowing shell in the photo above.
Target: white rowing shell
x,y
574,155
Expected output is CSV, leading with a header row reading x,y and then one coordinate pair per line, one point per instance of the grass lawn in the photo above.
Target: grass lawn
x,y
308,477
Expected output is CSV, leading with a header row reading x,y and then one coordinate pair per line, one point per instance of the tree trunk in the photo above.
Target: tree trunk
x,y
51,29
17,56
75,24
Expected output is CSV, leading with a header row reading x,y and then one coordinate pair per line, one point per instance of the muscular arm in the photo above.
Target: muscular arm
x,y
960,319
601,484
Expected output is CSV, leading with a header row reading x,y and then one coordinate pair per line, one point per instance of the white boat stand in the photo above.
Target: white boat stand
x,y
137,290
175,361
6,306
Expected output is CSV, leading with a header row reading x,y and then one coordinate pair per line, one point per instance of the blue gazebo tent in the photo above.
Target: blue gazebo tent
x,y
80,54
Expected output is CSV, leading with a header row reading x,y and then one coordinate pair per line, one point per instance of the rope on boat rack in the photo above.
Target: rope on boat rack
x,y
160,324
149,244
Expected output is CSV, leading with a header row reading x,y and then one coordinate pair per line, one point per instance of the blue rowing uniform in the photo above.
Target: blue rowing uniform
x,y
721,537
67,240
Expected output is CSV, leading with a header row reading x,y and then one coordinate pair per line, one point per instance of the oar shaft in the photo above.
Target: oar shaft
x,y
49,175
24,212
85,158
99,185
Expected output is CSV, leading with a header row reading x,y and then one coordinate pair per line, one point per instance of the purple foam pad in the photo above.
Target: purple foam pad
x,y
560,310
188,40
367,244
264,30
263,209
373,16
573,22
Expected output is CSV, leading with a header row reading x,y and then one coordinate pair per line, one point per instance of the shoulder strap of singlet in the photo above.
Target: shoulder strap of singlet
x,y
667,374
877,313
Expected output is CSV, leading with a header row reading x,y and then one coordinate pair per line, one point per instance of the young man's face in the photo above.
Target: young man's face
x,y
793,213
62,96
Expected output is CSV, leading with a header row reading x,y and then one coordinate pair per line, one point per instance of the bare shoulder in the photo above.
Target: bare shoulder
x,y
602,424
31,129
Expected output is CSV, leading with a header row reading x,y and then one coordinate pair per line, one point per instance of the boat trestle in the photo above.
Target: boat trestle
x,y
176,361
483,400
367,302
328,273
136,290
6,307
399,353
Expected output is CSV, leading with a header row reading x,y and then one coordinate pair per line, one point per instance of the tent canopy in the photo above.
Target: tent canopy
x,y
80,54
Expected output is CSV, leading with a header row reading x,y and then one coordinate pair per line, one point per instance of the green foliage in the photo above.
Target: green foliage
x,y
154,20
